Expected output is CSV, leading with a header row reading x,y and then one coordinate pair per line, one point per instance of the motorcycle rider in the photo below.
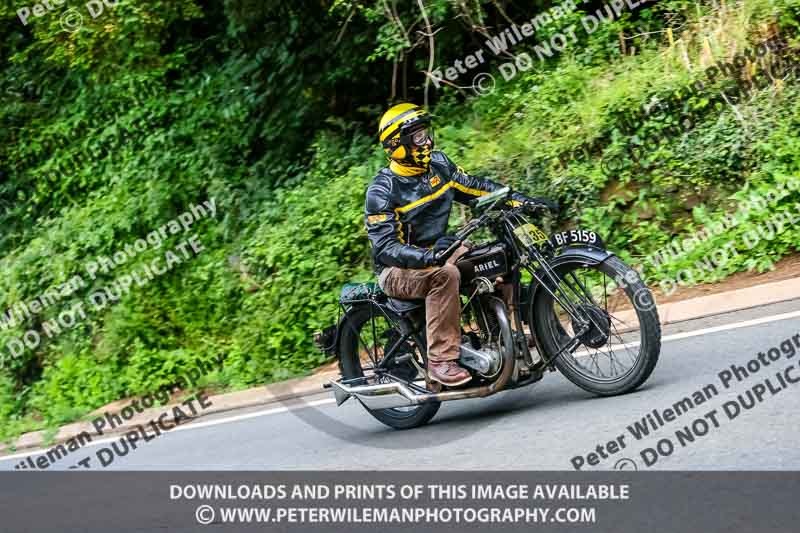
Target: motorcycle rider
x,y
407,209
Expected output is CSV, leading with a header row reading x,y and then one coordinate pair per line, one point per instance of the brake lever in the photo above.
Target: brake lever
x,y
500,201
471,226
540,210
441,257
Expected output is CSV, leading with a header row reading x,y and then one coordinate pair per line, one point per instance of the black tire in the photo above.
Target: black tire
x,y
350,366
551,334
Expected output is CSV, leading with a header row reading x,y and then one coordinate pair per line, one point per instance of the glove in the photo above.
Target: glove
x,y
442,244
535,204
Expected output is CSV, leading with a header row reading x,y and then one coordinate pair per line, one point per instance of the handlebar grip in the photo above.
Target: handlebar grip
x,y
536,209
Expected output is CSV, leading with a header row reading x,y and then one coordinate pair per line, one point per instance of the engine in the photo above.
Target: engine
x,y
486,361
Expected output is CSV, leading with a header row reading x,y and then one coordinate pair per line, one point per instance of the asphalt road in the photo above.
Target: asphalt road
x,y
542,427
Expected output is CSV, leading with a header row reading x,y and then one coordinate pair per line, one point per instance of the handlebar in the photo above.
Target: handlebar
x,y
491,199
500,196
503,192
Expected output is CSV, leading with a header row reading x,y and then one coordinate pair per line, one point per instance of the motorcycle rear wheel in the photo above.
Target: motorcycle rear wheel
x,y
360,350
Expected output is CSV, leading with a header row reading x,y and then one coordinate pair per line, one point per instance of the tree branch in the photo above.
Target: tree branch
x,y
431,46
344,26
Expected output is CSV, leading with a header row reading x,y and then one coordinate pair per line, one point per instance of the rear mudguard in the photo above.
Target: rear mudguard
x,y
584,255
352,296
328,340
330,337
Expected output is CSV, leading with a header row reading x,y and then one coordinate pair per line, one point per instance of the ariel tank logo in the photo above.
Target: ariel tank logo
x,y
489,265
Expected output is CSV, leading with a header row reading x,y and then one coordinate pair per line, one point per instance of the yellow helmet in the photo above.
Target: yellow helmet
x,y
406,136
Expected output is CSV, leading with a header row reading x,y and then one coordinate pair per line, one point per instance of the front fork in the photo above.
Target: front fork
x,y
525,308
520,341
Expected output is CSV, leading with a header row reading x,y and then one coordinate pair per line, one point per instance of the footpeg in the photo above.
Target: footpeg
x,y
403,358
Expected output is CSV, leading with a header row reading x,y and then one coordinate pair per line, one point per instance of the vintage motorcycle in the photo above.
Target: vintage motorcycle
x,y
589,315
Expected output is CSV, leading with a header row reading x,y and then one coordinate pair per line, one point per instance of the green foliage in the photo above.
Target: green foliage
x,y
300,257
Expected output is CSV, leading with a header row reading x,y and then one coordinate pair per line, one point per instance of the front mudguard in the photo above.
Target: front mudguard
x,y
581,254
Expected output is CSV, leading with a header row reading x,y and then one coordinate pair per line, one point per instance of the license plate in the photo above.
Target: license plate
x,y
530,235
576,236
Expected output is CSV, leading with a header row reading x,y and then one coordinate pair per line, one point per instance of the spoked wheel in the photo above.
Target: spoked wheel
x,y
607,333
367,338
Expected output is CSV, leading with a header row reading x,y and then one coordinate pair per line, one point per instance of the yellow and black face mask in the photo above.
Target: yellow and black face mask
x,y
421,155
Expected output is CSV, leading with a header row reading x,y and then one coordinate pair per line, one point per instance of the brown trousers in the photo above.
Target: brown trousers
x,y
439,287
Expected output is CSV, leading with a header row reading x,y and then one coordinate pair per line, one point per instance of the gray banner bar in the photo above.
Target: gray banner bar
x,y
614,502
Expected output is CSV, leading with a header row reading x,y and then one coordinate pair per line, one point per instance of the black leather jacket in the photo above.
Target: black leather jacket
x,y
405,215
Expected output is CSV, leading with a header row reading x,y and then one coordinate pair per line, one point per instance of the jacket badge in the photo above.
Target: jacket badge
x,y
435,181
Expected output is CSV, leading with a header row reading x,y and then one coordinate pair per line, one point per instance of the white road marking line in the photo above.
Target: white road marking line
x,y
278,410
706,331
735,325
190,425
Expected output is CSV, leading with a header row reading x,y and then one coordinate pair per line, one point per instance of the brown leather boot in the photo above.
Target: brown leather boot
x,y
448,373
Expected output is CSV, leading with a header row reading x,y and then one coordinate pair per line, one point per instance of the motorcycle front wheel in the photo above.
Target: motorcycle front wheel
x,y
602,327
367,335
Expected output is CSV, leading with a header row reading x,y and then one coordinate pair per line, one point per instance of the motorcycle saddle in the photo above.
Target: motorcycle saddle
x,y
403,306
361,292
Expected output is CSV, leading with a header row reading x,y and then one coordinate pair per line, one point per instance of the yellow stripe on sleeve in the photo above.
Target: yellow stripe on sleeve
x,y
468,190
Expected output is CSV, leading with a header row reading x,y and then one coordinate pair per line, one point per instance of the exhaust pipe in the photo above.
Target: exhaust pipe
x,y
380,396
397,394
391,395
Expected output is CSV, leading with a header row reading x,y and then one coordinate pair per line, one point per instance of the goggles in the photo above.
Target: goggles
x,y
419,138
